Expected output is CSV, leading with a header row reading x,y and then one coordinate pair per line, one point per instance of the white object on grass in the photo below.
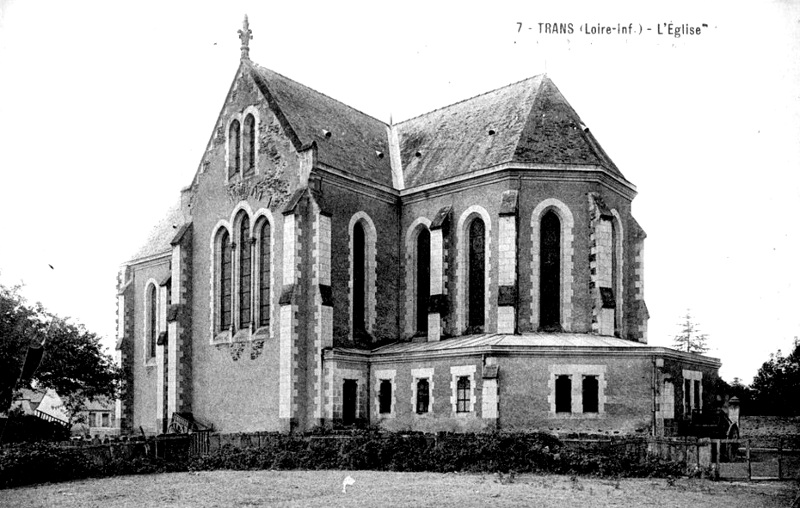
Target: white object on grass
x,y
347,481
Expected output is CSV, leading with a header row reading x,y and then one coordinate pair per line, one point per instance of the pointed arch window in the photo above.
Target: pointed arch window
x,y
152,317
550,273
476,277
249,137
359,278
234,148
225,280
264,271
245,273
423,278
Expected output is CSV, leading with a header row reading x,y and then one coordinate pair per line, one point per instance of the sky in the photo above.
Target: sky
x,y
106,109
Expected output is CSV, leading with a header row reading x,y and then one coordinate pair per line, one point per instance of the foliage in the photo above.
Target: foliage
x,y
74,364
690,339
47,462
29,428
776,386
506,454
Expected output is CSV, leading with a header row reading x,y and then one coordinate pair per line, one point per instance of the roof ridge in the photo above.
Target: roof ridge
x,y
320,93
470,98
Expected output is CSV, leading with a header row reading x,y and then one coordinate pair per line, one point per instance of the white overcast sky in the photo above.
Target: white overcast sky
x,y
106,109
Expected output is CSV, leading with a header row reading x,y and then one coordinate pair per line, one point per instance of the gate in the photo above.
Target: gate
x,y
762,459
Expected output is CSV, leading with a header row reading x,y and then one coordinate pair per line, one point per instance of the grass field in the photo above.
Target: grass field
x,y
383,489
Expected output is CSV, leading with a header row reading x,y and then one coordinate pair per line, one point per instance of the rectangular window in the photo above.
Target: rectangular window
x,y
590,394
423,396
105,420
668,400
563,394
462,395
385,397
687,398
697,404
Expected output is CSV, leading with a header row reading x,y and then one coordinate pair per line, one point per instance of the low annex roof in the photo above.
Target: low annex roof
x,y
162,234
528,339
562,343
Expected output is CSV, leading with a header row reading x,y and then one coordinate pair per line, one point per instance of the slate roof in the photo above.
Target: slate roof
x,y
355,137
528,121
162,234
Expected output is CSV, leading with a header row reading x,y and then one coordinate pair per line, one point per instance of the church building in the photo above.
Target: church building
x,y
473,268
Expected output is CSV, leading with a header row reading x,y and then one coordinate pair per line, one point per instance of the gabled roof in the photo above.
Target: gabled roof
x,y
162,234
528,121
356,139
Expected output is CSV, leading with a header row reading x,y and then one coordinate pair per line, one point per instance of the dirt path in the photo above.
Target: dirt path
x,y
324,488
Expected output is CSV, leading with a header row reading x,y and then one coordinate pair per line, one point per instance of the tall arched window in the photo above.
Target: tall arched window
x,y
249,145
359,278
245,273
550,273
152,316
423,278
234,148
225,281
264,272
477,270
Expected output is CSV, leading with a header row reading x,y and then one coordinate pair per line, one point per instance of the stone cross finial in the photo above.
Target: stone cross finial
x,y
245,34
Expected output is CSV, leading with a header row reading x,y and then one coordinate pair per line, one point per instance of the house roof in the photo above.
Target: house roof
x,y
355,139
162,234
528,121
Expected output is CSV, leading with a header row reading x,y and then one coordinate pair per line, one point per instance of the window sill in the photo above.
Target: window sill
x,y
150,362
465,414
261,333
576,416
242,335
223,337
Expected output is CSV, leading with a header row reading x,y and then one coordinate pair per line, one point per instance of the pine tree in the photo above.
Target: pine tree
x,y
690,339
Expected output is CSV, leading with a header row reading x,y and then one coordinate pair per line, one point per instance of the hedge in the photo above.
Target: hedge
x,y
496,452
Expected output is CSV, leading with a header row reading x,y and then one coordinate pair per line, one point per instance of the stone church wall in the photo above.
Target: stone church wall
x,y
343,203
145,370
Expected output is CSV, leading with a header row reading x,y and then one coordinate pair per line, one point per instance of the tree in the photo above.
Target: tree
x,y
776,386
74,364
690,339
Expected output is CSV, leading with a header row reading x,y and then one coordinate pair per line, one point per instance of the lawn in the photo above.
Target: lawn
x,y
385,489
